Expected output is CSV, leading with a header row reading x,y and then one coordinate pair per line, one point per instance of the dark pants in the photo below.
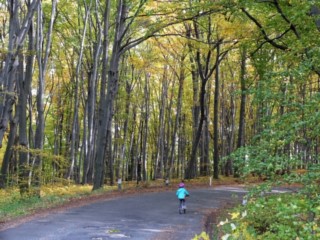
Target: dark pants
x,y
182,203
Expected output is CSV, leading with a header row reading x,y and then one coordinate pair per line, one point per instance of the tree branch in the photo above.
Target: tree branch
x,y
130,44
292,26
265,36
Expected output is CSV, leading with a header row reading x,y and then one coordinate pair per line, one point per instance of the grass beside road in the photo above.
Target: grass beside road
x,y
12,205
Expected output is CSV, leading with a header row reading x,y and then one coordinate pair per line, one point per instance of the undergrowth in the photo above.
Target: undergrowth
x,y
12,204
286,216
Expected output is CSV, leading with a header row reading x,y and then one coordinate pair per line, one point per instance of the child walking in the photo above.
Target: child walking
x,y
181,194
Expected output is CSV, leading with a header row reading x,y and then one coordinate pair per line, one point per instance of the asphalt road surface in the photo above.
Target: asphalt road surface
x,y
152,216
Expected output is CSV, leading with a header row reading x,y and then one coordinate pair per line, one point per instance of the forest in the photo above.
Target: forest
x,y
92,91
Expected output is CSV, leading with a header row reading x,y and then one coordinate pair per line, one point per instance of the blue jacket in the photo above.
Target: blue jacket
x,y
182,193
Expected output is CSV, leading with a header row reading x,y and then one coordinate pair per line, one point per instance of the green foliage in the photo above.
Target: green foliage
x,y
278,216
285,216
262,160
53,166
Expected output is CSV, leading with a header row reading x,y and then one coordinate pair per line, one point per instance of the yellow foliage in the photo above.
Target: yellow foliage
x,y
2,151
60,190
235,215
202,236
8,195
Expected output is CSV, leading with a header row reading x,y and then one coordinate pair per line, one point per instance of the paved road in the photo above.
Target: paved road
x,y
139,217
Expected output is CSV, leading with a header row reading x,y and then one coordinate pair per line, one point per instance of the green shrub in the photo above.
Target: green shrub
x,y
281,216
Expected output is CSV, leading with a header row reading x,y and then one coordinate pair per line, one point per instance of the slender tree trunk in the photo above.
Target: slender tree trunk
x,y
42,64
229,132
158,170
125,127
132,150
140,151
204,171
196,96
109,157
75,121
146,126
181,147
178,114
116,148
205,138
192,165
216,118
242,113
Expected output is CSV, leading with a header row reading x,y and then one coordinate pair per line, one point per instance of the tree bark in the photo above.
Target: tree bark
x,y
216,117
75,121
125,127
146,126
242,113
42,58
159,164
181,78
17,37
24,87
105,98
8,155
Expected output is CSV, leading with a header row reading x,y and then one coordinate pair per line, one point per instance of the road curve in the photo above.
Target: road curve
x,y
145,216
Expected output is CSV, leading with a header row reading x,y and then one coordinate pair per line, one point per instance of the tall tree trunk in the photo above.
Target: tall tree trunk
x,y
181,147
216,118
125,127
159,164
205,71
242,113
75,120
107,102
229,119
109,156
192,165
204,166
146,126
195,87
140,151
42,58
16,40
104,113
24,87
181,78
8,87
116,148
132,150
205,138
92,123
